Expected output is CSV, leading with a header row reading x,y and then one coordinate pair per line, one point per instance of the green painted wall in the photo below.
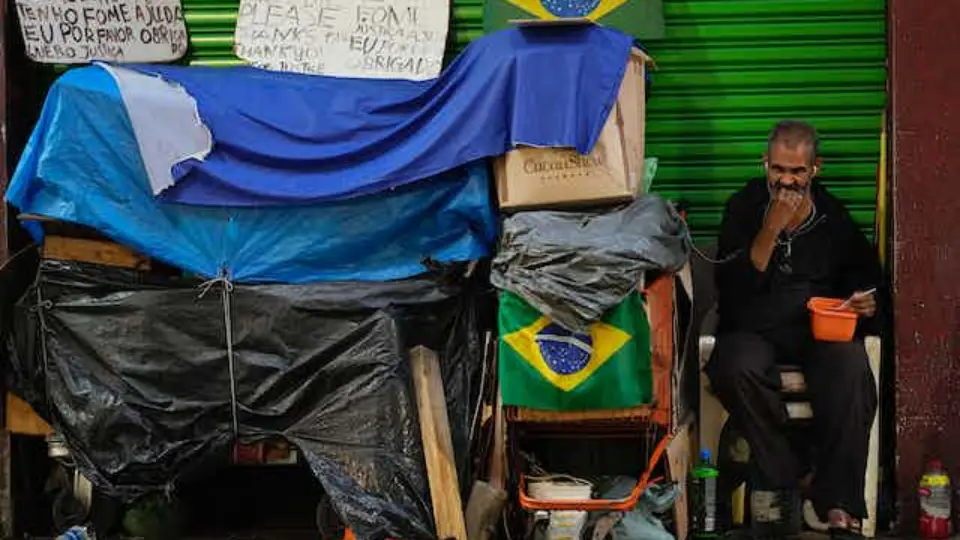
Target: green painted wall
x,y
728,69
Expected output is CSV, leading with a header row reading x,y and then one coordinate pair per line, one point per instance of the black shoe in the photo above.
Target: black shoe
x,y
775,514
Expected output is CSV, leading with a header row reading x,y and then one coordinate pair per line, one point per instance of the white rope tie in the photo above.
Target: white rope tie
x,y
226,292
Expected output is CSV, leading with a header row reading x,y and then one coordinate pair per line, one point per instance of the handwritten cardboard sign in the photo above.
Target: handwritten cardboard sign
x,y
79,31
371,39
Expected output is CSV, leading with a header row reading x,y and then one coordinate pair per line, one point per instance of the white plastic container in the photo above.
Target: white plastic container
x,y
564,524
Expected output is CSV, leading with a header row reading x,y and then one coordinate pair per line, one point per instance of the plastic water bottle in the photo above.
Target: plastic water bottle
x,y
703,498
935,502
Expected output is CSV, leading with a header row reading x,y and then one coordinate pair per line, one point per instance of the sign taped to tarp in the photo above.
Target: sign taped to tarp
x,y
369,39
122,31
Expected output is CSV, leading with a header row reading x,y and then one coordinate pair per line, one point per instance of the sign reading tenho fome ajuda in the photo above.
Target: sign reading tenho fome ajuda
x,y
642,19
80,31
371,39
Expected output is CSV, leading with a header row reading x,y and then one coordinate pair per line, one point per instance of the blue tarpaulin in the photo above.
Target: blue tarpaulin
x,y
281,138
83,165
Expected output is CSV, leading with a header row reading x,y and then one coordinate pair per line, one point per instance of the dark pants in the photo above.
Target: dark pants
x,y
743,373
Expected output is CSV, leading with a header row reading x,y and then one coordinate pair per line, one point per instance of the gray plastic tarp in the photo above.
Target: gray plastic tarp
x,y
575,266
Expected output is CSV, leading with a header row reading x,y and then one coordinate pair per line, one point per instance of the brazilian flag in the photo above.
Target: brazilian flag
x,y
546,366
642,19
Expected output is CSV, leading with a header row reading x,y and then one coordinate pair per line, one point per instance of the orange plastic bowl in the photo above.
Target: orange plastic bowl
x,y
830,323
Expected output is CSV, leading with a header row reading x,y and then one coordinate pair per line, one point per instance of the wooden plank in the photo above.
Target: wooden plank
x,y
93,251
21,419
487,500
660,313
437,445
680,454
639,414
35,217
498,454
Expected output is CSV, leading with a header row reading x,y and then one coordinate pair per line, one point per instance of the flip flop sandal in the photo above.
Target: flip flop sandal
x,y
849,529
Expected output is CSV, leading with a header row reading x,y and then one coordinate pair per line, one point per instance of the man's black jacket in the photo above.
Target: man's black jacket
x,y
828,256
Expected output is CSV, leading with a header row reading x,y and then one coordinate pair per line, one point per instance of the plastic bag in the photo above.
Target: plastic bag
x,y
137,381
641,523
575,266
18,329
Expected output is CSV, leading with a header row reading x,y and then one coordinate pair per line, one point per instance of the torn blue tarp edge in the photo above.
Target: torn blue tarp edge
x,y
64,181
234,191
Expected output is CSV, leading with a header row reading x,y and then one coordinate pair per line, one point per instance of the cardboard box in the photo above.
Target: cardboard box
x,y
529,177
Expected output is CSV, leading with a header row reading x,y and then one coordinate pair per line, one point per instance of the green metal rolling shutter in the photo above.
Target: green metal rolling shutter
x,y
728,69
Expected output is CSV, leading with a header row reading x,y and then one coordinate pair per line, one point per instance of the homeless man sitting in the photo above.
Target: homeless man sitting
x,y
784,240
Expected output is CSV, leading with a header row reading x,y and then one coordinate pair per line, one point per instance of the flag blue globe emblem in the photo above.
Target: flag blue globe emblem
x,y
563,351
570,8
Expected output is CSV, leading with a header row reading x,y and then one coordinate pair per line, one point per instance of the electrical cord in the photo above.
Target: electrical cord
x,y
716,262
808,225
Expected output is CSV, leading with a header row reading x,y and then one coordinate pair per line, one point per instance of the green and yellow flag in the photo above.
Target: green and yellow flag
x,y
642,19
546,366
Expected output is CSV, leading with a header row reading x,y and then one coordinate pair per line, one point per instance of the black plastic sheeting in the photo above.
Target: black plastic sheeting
x,y
133,371
575,266
16,277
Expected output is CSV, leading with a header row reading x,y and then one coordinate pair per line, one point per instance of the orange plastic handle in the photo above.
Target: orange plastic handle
x,y
611,505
